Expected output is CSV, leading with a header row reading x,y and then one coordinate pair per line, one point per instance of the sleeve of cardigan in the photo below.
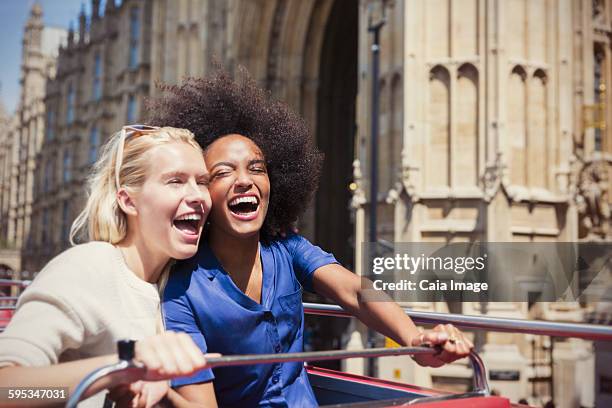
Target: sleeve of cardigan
x,y
43,327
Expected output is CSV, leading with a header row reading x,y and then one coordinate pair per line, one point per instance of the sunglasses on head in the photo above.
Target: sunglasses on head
x,y
129,131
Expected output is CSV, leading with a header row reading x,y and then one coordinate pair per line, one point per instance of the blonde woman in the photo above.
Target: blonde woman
x,y
148,200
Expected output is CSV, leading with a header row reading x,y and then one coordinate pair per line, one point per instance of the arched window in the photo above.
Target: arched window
x,y
438,118
194,55
516,129
65,221
134,37
50,125
45,226
465,159
48,180
599,91
182,52
70,105
67,166
94,144
97,77
131,109
537,133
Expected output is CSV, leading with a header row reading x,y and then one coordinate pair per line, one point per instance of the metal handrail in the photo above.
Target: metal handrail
x,y
123,368
499,324
481,385
14,282
238,360
127,368
10,283
584,331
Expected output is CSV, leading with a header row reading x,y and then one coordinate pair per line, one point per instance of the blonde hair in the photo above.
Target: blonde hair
x,y
102,219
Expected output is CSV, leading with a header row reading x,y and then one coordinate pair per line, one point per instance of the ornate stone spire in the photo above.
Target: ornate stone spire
x,y
95,9
82,24
32,35
36,11
110,6
70,34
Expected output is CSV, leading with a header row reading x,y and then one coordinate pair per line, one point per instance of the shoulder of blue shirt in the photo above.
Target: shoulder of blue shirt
x,y
290,242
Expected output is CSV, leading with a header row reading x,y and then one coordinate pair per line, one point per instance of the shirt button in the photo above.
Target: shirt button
x,y
277,348
275,379
268,315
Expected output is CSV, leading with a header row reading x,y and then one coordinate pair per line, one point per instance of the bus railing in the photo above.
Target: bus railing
x,y
499,324
481,387
14,282
495,324
128,368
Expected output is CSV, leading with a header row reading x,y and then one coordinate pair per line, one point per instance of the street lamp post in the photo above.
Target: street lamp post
x,y
374,28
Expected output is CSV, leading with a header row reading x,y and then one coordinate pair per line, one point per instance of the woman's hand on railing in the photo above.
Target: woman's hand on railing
x,y
169,355
142,365
452,342
163,356
140,394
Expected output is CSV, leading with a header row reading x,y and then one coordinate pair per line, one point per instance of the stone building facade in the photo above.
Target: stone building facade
x,y
22,137
505,140
493,119
103,74
107,68
10,257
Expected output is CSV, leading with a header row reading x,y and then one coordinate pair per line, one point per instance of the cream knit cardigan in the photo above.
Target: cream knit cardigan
x,y
78,306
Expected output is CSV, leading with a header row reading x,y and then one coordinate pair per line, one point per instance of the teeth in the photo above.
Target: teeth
x,y
248,199
189,217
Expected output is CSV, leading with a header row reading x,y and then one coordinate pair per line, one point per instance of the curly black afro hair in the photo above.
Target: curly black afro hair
x,y
215,106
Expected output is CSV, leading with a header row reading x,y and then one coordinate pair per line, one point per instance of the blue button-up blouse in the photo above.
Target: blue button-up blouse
x,y
202,300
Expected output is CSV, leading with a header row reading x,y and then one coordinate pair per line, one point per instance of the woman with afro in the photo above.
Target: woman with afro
x,y
242,292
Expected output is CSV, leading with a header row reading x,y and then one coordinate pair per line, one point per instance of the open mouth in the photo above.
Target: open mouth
x,y
244,206
189,223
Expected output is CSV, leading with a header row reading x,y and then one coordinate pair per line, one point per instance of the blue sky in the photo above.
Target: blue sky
x,y
13,15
